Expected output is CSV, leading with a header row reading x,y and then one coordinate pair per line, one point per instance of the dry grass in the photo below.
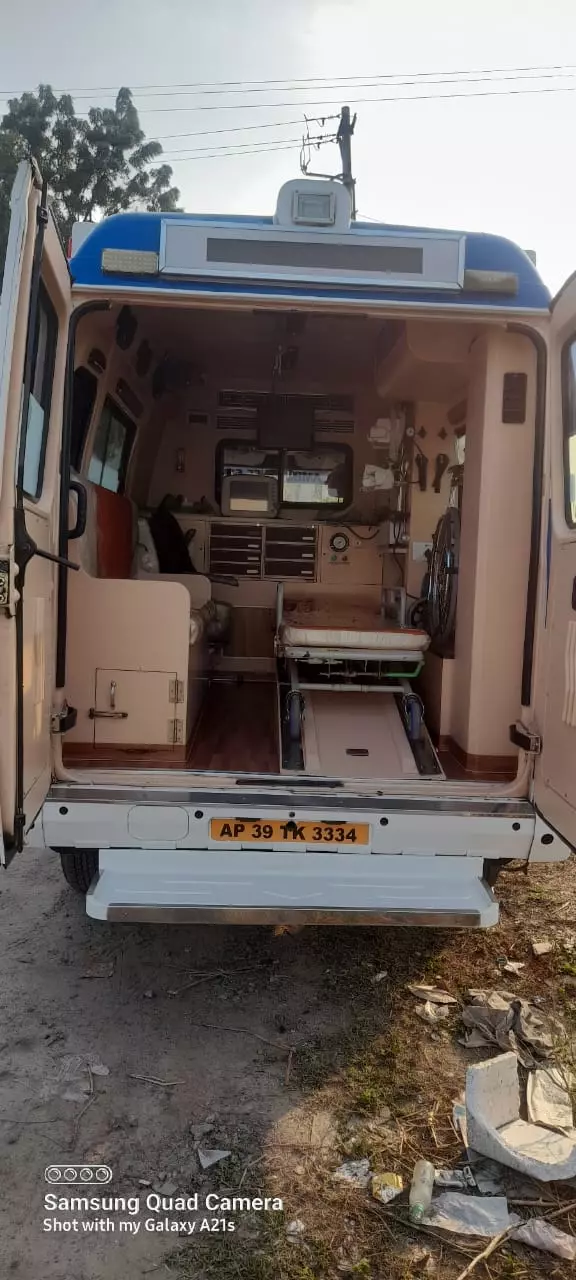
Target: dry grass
x,y
389,1081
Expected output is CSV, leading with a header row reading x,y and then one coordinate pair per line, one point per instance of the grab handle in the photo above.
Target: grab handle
x,y
81,509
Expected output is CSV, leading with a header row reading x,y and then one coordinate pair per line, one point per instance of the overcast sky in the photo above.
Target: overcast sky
x,y
495,163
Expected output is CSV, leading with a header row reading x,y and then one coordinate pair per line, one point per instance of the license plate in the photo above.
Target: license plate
x,y
257,831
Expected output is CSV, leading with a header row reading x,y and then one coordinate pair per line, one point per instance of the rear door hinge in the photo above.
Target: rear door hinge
x,y
175,691
176,732
525,739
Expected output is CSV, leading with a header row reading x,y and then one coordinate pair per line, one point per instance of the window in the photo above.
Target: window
x,y
111,451
320,477
45,339
569,414
83,398
317,477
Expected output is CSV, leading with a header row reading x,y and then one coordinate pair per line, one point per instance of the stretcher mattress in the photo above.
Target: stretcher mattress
x,y
336,627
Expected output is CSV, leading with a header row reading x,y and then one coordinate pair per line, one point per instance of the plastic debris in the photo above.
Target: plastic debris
x,y
433,1012
542,1235
459,1119
386,1186
455,1178
209,1157
379,977
502,1019
72,1079
488,1175
295,1230
514,966
496,1130
421,1189
548,1099
434,994
471,1215
355,1172
542,948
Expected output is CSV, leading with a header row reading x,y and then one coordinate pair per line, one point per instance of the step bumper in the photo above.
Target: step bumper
x,y
265,887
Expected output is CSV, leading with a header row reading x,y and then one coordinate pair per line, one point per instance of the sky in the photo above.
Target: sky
x,y
503,162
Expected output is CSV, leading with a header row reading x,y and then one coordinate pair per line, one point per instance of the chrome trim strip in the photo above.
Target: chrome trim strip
x,y
293,915
227,301
62,792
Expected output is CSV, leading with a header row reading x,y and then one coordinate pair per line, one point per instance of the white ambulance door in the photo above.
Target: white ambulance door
x,y
555,775
34,315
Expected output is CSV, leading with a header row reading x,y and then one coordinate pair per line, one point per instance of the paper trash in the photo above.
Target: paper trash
x,y
355,1172
386,1186
548,1099
433,994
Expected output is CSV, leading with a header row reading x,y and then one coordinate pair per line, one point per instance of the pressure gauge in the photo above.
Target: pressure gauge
x,y
339,542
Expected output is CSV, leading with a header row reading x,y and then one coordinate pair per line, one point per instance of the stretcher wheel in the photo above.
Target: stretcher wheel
x,y
414,716
295,716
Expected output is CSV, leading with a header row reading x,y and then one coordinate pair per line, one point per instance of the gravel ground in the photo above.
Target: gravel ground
x,y
279,1047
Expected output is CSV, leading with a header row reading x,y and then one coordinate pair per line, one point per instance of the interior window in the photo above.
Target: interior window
x,y
83,399
316,478
569,407
45,338
111,450
306,478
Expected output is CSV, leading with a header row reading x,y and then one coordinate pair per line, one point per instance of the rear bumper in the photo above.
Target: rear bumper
x,y
266,887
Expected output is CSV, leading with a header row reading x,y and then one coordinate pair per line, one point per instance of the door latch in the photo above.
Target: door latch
x,y
5,591
107,715
525,739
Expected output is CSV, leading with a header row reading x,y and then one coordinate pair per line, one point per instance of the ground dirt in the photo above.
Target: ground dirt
x,y
293,1051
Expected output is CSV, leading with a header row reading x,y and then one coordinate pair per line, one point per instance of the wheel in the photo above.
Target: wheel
x,y
79,866
443,582
295,716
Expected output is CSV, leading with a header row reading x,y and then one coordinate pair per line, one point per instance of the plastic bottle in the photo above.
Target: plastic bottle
x,y
421,1189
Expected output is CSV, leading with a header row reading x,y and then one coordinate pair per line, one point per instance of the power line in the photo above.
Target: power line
x,y
288,80
242,146
227,155
354,102
363,84
243,128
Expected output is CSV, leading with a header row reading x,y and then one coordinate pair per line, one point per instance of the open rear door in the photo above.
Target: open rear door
x,y
555,777
34,313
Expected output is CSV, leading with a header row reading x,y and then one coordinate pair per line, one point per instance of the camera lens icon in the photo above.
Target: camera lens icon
x,y
73,1173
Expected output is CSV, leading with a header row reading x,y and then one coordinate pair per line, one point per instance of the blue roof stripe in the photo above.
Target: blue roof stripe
x,y
141,231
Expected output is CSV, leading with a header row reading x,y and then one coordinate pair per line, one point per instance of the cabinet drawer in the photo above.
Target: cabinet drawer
x,y
289,569
291,534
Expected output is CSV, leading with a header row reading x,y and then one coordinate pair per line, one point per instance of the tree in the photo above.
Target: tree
x,y
94,166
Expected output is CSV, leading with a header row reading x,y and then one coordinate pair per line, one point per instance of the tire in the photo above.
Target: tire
x,y
295,716
79,866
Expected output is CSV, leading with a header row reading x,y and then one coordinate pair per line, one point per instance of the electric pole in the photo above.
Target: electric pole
x,y
344,139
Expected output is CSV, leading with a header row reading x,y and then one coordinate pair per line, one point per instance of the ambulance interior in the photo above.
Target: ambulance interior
x,y
306,545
